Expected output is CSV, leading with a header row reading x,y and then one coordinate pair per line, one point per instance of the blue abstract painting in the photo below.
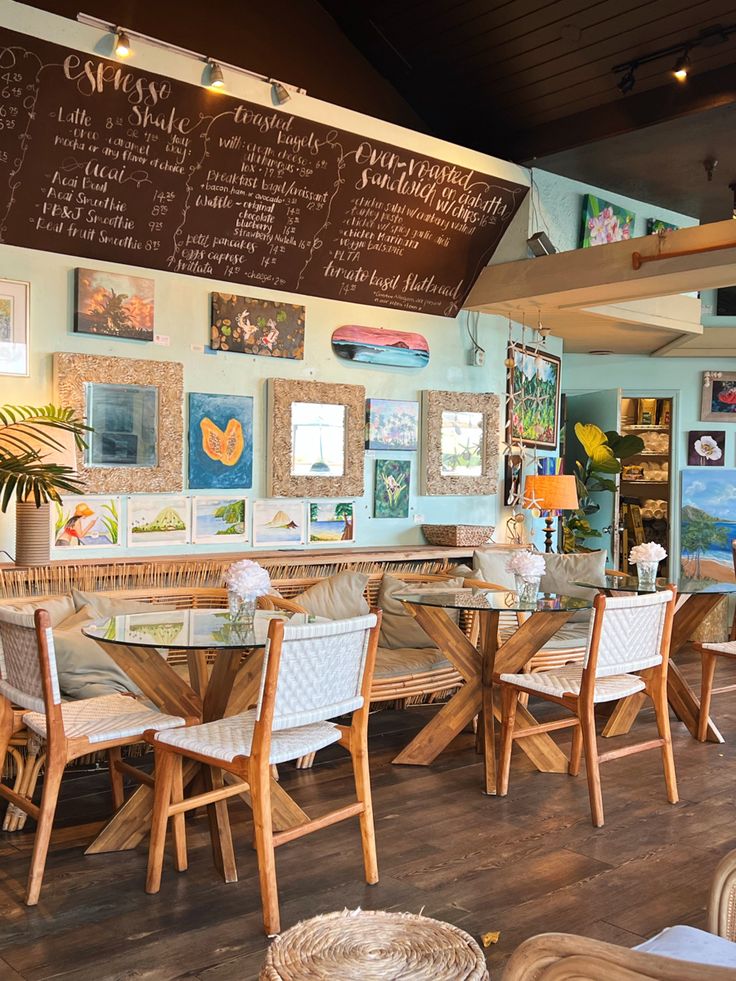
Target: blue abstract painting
x,y
220,440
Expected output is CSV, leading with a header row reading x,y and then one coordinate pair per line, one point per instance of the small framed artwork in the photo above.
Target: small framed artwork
x,y
246,325
533,390
391,424
113,304
603,222
219,520
331,522
655,226
513,465
220,440
706,449
718,403
82,523
279,524
460,443
163,520
14,327
391,489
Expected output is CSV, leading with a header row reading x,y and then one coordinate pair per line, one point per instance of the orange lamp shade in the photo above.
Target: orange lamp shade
x,y
550,493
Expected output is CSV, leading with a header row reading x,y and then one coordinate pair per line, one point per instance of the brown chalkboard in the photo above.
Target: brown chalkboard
x,y
102,160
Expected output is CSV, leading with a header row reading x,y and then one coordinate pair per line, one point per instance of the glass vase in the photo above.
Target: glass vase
x,y
647,575
242,608
527,588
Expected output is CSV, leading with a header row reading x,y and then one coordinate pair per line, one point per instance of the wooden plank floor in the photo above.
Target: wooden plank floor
x,y
526,864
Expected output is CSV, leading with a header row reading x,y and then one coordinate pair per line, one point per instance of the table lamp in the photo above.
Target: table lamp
x,y
33,524
550,495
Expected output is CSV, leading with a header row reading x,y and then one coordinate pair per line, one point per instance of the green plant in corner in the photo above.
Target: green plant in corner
x,y
604,452
27,433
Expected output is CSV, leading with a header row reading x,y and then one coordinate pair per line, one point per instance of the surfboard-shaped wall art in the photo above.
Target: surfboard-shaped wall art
x,y
374,345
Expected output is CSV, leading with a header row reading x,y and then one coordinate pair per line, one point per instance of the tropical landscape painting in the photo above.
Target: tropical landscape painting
x,y
113,304
250,326
604,222
534,390
374,345
331,522
219,519
220,441
158,520
708,524
391,424
391,491
279,523
86,522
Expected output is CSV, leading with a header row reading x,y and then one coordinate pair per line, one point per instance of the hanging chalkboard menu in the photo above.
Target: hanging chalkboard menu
x,y
102,160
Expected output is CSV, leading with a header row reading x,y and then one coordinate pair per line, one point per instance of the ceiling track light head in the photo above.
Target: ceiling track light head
x,y
682,67
279,92
215,78
628,80
122,43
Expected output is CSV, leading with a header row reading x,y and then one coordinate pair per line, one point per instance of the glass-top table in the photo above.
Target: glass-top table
x,y
630,584
482,599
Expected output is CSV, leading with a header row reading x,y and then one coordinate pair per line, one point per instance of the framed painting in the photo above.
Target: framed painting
x,y
123,465
14,327
603,222
378,346
247,325
279,524
708,528
706,449
391,424
533,390
718,403
331,522
460,435
513,467
655,226
220,441
391,489
219,520
158,521
316,435
113,304
82,523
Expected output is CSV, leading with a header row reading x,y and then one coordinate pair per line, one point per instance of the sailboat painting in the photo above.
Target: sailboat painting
x,y
279,523
374,345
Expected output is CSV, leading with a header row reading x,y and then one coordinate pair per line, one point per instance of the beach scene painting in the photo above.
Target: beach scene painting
x,y
113,304
374,345
279,523
162,520
222,520
331,522
708,524
220,441
86,522
391,424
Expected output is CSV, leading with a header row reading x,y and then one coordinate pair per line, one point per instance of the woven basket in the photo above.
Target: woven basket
x,y
363,945
461,535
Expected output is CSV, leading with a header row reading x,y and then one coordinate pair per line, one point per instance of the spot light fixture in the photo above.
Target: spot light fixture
x,y
681,68
279,92
122,43
627,81
215,78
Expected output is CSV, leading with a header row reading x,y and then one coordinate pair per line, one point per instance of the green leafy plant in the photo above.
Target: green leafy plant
x,y
604,451
23,472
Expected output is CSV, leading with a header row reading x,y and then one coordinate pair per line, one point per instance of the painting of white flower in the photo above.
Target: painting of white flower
x,y
706,449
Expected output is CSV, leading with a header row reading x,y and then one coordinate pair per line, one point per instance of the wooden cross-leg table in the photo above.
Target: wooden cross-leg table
x,y
476,696
232,687
682,699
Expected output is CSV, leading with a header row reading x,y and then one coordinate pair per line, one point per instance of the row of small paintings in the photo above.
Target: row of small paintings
x,y
604,222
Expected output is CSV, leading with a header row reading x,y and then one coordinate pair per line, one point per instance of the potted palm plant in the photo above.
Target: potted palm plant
x,y
37,461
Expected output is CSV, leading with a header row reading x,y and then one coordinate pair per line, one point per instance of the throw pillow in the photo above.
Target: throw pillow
x,y
489,564
113,606
338,597
398,627
84,669
58,608
562,569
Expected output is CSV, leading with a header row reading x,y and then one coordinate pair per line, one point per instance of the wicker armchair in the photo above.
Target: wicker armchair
x,y
563,956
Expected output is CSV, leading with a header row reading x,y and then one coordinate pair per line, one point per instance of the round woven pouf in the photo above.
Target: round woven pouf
x,y
358,945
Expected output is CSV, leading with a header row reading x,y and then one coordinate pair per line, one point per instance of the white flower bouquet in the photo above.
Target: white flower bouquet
x,y
247,579
648,552
526,565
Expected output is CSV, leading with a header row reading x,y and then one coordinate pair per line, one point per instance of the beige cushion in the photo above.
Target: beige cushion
x,y
572,635
113,606
338,597
399,629
562,569
84,669
394,663
58,609
489,564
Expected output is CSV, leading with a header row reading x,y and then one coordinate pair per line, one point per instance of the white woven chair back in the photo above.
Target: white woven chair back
x,y
631,637
321,671
20,663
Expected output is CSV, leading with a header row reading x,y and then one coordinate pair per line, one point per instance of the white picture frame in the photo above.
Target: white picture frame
x,y
279,523
15,327
145,509
204,520
86,522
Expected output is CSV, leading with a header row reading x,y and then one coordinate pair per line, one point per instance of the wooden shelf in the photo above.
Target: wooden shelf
x,y
649,429
665,453
623,481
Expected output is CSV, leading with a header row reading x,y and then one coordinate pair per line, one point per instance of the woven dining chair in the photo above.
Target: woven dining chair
x,y
311,673
628,652
30,697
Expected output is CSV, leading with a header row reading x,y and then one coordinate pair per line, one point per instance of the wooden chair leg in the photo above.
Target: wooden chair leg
x,y
165,763
223,853
707,673
55,765
263,824
590,744
509,701
361,769
576,751
116,778
178,827
662,712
